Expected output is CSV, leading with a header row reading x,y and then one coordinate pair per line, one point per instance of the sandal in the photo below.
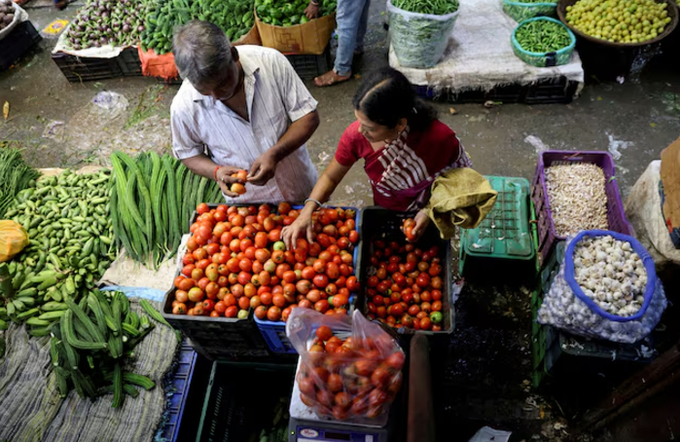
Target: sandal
x,y
330,78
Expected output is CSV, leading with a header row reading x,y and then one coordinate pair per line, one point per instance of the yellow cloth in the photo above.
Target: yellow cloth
x,y
459,197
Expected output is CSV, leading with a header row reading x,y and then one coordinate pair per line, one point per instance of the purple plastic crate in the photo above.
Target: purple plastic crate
x,y
547,236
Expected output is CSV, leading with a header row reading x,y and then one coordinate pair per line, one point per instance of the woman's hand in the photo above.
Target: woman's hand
x,y
422,221
300,228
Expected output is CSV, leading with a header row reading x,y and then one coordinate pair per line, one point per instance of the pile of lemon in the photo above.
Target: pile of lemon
x,y
621,21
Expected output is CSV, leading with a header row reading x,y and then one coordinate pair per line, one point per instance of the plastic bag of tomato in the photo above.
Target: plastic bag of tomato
x,y
350,368
406,285
236,263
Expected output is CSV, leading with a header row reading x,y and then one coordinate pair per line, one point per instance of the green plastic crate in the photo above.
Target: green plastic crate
x,y
507,232
550,345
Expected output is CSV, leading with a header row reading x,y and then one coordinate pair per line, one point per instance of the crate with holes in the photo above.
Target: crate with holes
x,y
506,236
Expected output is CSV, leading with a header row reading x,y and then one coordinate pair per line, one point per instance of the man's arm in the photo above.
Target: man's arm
x,y
297,134
204,166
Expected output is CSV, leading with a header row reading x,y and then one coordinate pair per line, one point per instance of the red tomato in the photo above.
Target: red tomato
x,y
274,313
320,281
324,333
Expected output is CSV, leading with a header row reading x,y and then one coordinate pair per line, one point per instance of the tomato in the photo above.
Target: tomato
x,y
237,290
279,300
185,283
179,309
255,301
220,307
320,281
340,300
334,383
413,310
380,377
208,305
222,293
314,296
195,294
202,208
424,280
321,306
261,312
353,236
231,312
425,323
352,284
274,313
324,333
332,270
436,283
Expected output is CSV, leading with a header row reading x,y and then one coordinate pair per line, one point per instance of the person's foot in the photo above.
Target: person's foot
x,y
330,78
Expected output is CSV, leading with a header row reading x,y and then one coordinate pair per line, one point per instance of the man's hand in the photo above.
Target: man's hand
x,y
312,11
224,179
263,169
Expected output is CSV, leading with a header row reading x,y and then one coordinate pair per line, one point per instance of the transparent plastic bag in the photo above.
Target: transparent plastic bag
x,y
566,306
355,375
419,40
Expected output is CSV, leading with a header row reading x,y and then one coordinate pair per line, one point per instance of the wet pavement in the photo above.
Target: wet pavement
x,y
486,368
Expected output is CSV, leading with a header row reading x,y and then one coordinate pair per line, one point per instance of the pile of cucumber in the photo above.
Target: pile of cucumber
x,y
70,247
235,17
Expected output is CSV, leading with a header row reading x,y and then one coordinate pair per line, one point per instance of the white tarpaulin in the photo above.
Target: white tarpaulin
x,y
19,16
480,56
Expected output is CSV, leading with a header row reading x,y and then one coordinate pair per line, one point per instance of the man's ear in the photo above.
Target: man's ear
x,y
234,54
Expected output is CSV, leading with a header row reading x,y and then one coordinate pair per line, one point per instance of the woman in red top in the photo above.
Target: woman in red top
x,y
404,147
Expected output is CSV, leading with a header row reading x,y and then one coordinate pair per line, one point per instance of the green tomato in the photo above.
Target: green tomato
x,y
279,245
242,314
436,317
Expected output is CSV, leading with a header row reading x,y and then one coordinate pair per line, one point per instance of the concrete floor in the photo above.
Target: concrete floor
x,y
58,126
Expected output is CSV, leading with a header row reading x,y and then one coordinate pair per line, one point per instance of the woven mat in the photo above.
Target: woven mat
x,y
31,410
480,56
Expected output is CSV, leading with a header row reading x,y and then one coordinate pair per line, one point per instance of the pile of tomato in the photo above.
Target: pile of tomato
x,y
404,288
346,378
236,261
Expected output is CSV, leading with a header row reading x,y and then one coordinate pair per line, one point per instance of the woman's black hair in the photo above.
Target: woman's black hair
x,y
385,96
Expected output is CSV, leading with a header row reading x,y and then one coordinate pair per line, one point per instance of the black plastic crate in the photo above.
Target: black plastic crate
x,y
77,69
310,66
235,409
17,43
559,90
218,338
378,223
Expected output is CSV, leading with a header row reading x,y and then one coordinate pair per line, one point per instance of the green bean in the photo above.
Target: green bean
x,y
542,36
434,7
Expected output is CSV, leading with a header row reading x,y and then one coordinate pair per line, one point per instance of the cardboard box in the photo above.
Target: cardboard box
x,y
310,38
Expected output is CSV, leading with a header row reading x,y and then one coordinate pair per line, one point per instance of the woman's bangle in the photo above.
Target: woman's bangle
x,y
314,201
314,3
215,172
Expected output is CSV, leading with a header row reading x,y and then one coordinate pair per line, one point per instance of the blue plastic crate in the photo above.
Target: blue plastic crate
x,y
274,333
181,382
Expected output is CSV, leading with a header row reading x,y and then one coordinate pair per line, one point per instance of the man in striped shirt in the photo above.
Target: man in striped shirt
x,y
242,108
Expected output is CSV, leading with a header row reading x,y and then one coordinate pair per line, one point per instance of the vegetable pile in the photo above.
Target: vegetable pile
x,y
289,13
577,197
610,273
620,21
6,13
433,7
541,36
404,288
71,245
153,198
101,22
235,17
236,261
91,343
351,377
15,175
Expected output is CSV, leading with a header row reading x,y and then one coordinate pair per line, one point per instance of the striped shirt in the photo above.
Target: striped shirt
x,y
275,95
401,171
